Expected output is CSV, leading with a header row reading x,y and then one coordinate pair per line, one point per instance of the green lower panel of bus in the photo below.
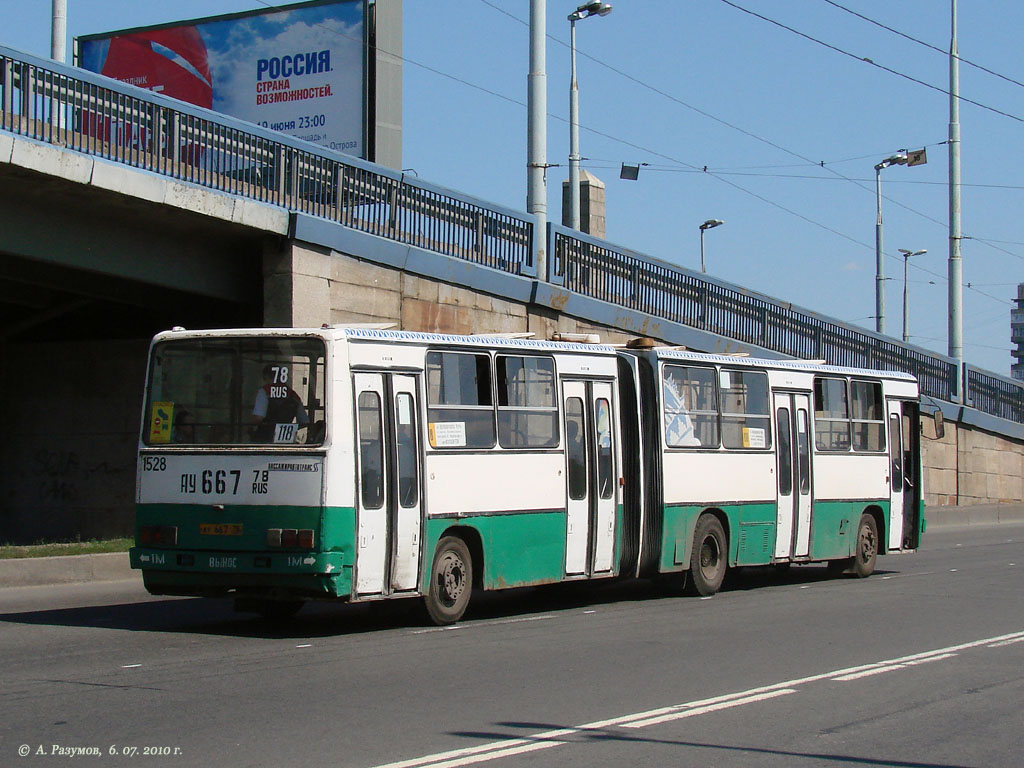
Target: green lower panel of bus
x,y
750,529
518,549
244,527
834,527
218,550
210,573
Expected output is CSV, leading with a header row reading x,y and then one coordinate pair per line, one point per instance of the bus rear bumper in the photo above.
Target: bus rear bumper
x,y
209,573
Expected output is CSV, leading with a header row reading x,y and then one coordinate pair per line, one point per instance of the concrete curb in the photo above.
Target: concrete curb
x,y
114,566
975,514
66,569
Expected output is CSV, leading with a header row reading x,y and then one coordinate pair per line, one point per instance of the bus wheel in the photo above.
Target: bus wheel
x,y
708,559
451,581
867,547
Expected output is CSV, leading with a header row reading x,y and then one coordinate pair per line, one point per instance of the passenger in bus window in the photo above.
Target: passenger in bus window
x,y
276,403
184,430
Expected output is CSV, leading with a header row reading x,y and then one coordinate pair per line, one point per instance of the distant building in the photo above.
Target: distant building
x,y
1017,334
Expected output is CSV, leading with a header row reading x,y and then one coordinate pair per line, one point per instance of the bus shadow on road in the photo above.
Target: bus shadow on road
x,y
708,753
216,617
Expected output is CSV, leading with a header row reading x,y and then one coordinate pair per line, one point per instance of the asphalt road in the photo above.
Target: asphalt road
x,y
921,665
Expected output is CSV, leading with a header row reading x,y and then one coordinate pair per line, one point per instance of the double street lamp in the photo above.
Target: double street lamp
x,y
902,157
583,12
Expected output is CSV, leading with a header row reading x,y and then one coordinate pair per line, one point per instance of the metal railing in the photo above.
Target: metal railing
x,y
602,271
88,113
996,395
92,114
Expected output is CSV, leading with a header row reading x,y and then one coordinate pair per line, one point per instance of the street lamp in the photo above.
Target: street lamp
x,y
906,257
586,10
709,224
902,157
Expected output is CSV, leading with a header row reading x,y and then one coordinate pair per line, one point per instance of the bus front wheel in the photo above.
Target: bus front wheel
x,y
708,558
867,546
451,581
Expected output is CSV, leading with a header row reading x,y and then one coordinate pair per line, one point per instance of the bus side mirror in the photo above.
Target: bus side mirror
x,y
940,424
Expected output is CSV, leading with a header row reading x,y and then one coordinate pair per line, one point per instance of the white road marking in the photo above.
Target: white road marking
x,y
887,667
548,739
691,712
937,657
478,624
1006,642
305,645
130,666
869,672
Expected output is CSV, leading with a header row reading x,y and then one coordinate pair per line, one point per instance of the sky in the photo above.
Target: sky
x,y
772,124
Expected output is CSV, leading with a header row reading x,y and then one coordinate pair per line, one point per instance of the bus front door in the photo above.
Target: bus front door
x,y
590,477
388,484
793,459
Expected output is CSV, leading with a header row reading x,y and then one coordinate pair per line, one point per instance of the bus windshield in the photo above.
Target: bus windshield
x,y
261,390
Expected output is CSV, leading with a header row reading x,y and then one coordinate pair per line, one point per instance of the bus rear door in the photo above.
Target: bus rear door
x,y
904,488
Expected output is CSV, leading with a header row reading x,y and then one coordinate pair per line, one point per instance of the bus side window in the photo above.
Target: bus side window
x,y
831,414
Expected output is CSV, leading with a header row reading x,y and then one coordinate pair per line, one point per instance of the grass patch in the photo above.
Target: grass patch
x,y
91,547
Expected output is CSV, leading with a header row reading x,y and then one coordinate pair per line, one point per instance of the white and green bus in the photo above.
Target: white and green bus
x,y
354,464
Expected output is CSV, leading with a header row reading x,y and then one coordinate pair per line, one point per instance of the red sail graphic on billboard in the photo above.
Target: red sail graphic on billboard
x,y
171,61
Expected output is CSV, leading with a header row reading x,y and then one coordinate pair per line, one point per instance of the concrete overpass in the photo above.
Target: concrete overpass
x,y
191,218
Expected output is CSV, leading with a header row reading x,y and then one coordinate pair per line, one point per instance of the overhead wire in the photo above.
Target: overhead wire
x,y
694,168
676,161
867,60
959,58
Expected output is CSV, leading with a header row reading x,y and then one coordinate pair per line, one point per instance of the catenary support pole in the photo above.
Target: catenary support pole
x,y
536,129
956,296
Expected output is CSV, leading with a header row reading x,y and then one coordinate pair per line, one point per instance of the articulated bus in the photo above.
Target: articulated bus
x,y
358,464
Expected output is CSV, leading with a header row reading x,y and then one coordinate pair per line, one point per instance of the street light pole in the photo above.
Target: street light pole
x,y
900,158
906,312
709,224
584,11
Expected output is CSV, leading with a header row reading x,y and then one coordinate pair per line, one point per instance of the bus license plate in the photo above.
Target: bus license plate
x,y
220,529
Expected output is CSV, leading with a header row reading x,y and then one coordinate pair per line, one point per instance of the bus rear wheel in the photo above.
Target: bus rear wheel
x,y
451,581
708,558
867,546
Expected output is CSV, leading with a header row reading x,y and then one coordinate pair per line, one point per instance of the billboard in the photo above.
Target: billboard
x,y
300,69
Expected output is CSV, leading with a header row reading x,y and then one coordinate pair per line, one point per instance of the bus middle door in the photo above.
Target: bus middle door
x,y
793,457
590,473
388,509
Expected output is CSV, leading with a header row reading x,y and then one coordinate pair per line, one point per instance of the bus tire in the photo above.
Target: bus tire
x,y
451,581
867,547
708,560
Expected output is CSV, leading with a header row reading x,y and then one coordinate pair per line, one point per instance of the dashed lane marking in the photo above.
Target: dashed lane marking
x,y
555,738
